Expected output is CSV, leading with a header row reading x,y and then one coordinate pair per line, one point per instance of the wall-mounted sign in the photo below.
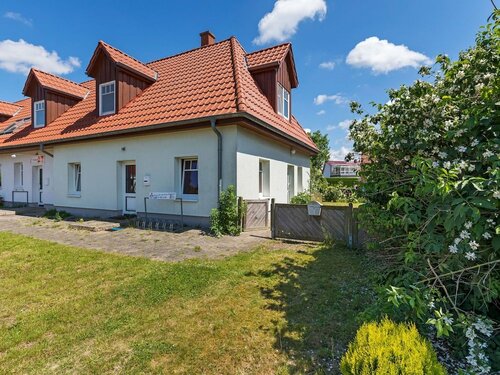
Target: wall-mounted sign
x,y
163,196
37,160
314,209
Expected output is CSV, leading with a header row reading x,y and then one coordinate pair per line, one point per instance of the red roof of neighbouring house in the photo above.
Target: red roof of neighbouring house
x,y
8,109
55,83
343,162
201,83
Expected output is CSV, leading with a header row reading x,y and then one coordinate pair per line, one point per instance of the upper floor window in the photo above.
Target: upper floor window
x,y
107,98
39,113
283,102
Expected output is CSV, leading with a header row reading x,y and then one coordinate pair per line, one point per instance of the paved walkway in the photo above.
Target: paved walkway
x,y
155,245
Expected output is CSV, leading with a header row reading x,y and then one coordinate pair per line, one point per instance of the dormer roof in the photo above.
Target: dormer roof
x,y
8,109
273,57
122,60
54,83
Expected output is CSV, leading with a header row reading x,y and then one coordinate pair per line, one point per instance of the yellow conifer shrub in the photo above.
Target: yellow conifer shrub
x,y
390,348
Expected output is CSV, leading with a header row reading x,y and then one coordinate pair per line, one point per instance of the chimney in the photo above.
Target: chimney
x,y
207,38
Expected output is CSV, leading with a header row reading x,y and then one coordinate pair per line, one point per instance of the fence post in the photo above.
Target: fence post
x,y
240,213
273,218
355,230
350,222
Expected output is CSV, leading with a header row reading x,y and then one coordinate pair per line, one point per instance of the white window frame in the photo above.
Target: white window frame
x,y
106,84
18,185
264,178
283,99
183,170
74,179
35,113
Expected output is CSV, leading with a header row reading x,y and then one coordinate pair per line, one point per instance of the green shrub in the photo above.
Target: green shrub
x,y
56,215
390,348
302,198
226,219
347,181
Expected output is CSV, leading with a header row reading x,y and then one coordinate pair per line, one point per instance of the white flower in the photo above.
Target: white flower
x,y
407,157
479,87
428,122
488,154
474,143
463,164
448,124
490,221
470,255
464,235
457,241
460,74
496,194
461,148
447,165
472,167
442,155
486,235
453,248
468,225
448,320
431,305
473,245
435,164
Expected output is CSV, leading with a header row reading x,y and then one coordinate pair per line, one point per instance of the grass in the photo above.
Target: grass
x,y
70,310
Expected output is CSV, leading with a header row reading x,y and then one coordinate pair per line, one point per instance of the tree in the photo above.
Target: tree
x,y
323,143
433,190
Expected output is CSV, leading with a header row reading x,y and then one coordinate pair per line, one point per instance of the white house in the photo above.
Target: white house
x,y
192,124
340,168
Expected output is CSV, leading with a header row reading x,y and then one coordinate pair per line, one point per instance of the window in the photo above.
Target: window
x,y
283,102
264,178
39,112
300,181
107,98
130,179
74,179
18,176
189,182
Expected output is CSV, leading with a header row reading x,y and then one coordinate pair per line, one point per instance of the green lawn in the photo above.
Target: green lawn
x,y
70,310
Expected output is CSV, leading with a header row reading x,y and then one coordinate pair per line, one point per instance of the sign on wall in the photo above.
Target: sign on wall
x,y
162,196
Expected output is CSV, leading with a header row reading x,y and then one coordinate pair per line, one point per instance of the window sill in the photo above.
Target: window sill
x,y
74,195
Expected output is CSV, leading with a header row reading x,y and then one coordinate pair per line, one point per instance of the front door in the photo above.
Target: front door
x,y
129,178
38,185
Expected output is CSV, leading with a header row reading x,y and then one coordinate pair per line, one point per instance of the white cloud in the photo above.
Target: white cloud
x,y
345,124
282,22
20,56
340,153
321,113
328,65
381,56
323,98
329,128
18,17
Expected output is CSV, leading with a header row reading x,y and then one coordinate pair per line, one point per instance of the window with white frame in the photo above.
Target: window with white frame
x,y
283,102
264,190
107,98
300,180
189,178
39,113
74,179
18,176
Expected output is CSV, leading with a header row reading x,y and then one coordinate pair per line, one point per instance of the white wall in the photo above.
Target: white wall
x,y
155,155
29,161
250,149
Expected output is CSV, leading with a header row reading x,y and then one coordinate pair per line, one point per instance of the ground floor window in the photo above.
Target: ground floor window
x,y
18,175
264,189
74,178
300,181
189,183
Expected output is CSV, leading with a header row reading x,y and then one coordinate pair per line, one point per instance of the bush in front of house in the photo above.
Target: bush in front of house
x,y
226,219
390,348
56,215
432,190
301,198
346,181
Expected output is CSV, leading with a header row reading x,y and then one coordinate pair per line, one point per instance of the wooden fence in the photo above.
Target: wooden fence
x,y
292,221
256,215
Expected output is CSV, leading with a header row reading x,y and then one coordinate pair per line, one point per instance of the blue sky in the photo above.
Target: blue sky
x,y
344,49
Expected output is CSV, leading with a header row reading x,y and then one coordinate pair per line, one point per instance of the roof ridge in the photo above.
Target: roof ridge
x,y
10,103
188,51
237,89
55,76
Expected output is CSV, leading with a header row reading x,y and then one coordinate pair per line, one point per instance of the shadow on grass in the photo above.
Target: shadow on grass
x,y
320,294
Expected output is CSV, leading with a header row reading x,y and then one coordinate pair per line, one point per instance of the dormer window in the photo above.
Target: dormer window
x,y
39,112
107,98
283,102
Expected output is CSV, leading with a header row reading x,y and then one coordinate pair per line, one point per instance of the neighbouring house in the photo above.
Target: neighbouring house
x,y
191,124
340,168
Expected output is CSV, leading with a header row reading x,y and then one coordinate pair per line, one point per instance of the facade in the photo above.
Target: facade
x,y
339,168
190,124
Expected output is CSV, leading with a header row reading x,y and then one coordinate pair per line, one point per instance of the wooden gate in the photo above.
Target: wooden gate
x,y
257,214
338,222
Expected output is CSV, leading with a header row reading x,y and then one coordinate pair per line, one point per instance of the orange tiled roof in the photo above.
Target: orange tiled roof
x,y
266,56
200,83
56,83
125,60
8,109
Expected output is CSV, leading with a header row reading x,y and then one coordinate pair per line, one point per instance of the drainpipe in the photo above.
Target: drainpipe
x,y
219,158
42,149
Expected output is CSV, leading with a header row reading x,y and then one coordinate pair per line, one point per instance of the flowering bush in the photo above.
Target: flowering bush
x,y
433,189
